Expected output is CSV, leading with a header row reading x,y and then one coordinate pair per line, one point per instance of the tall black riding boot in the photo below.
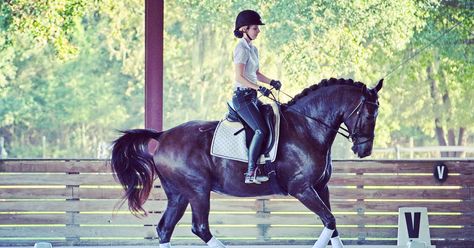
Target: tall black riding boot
x,y
254,153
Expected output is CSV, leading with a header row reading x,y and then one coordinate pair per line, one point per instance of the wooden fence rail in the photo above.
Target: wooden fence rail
x,y
71,202
411,152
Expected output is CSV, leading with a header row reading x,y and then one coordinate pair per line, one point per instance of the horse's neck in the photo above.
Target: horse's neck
x,y
323,106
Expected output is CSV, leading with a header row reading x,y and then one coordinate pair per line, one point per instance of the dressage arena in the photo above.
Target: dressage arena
x,y
71,202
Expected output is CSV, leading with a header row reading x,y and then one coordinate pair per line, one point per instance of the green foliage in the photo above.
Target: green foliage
x,y
446,63
73,71
73,77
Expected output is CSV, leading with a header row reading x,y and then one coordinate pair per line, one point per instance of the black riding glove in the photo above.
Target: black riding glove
x,y
276,84
264,91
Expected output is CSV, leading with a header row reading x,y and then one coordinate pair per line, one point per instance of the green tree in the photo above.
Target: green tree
x,y
434,87
77,83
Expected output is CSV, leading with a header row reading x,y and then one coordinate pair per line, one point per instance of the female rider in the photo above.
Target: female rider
x,y
244,99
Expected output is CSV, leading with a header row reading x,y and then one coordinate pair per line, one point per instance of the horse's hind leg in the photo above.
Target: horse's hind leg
x,y
174,211
200,206
324,194
311,199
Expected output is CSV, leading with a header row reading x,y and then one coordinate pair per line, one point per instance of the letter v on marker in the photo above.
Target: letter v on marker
x,y
413,227
440,171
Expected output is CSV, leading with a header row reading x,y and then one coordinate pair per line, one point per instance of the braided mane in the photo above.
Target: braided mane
x,y
322,84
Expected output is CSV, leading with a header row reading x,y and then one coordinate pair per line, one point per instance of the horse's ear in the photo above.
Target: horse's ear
x,y
379,85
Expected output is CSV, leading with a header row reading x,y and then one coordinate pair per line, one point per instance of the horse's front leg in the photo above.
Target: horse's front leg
x,y
324,194
311,199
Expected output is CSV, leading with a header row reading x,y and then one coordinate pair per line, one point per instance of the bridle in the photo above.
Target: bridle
x,y
356,132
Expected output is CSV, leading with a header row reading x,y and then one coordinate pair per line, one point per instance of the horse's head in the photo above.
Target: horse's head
x,y
361,121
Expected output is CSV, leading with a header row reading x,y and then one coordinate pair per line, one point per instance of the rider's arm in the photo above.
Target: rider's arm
x,y
239,77
262,78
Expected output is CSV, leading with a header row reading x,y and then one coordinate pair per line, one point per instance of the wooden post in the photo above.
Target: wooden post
x,y
43,147
397,151
411,147
154,16
3,152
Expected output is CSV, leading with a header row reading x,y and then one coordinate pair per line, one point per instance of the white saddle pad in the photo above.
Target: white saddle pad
x,y
227,145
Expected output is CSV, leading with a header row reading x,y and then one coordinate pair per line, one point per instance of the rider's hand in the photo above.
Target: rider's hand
x,y
276,84
264,91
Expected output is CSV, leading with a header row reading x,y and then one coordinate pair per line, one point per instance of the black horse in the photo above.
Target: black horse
x,y
188,173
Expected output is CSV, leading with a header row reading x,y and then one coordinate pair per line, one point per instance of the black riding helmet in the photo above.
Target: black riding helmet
x,y
246,18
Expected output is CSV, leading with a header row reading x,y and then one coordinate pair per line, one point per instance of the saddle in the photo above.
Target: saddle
x,y
233,136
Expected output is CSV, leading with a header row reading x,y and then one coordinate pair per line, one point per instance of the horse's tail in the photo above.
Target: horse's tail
x,y
133,166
